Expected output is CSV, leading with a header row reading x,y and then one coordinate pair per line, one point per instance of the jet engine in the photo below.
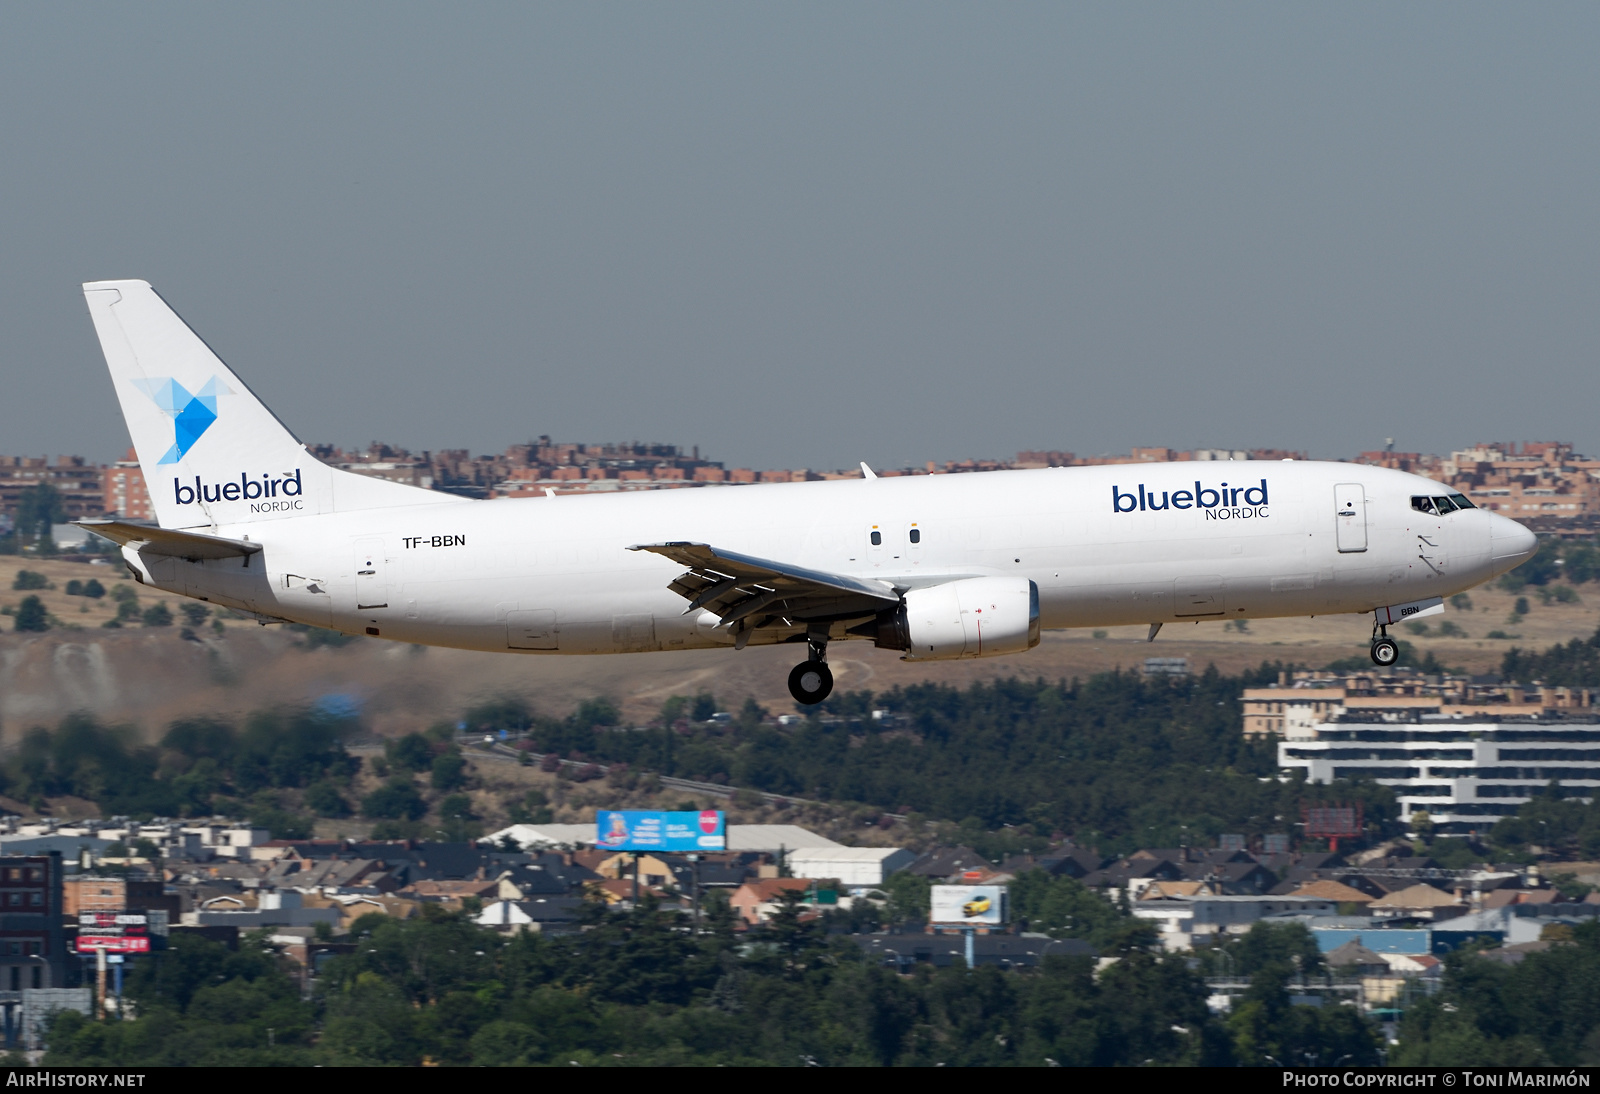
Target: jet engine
x,y
973,617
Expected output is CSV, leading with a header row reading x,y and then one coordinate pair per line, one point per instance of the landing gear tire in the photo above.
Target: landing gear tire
x,y
810,682
1384,652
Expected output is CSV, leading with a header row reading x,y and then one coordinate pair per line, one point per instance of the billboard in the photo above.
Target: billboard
x,y
970,905
114,944
649,830
117,931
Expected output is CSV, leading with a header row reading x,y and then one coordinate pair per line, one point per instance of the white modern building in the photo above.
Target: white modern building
x,y
1464,773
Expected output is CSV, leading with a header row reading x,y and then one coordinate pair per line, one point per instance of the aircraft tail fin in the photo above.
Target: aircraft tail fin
x,y
211,452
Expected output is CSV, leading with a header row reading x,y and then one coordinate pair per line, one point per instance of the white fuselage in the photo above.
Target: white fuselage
x,y
471,574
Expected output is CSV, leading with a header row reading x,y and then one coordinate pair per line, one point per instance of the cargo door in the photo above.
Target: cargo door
x,y
633,633
1350,516
372,585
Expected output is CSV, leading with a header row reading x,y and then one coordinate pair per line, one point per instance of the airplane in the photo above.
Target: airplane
x,y
944,567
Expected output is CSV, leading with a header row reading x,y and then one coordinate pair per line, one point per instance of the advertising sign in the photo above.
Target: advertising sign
x,y
641,830
969,905
113,944
113,932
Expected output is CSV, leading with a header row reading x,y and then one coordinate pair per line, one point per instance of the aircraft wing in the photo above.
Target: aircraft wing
x,y
748,592
151,540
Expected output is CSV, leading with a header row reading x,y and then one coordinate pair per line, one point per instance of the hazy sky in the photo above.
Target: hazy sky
x,y
809,234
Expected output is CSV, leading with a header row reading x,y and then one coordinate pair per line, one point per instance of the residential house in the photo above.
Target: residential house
x,y
544,915
944,862
1354,959
754,900
1417,901
1346,896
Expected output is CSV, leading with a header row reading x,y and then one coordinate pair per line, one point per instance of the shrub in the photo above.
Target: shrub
x,y
705,705
1557,594
395,800
324,799
449,771
31,615
30,579
409,753
158,615
456,805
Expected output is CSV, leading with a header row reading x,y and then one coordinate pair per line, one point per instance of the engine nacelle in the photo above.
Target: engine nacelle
x,y
974,617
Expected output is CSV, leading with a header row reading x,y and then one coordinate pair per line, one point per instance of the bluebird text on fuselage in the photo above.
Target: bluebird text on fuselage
x,y
1221,499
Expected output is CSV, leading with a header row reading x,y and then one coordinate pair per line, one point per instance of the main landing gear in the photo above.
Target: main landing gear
x,y
1385,651
811,681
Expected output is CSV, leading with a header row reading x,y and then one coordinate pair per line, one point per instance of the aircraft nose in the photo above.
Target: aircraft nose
x,y
1510,544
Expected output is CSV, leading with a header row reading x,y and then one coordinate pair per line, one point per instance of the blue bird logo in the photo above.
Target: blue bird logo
x,y
191,415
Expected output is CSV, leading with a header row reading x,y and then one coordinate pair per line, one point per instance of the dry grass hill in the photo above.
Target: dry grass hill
x,y
149,675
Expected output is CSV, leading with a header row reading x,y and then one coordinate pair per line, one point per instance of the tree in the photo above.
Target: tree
x,y
158,615
1063,908
395,800
409,753
39,507
31,615
323,799
30,579
449,771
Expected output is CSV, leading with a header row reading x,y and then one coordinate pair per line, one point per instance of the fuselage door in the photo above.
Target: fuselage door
x,y
1350,516
372,587
875,545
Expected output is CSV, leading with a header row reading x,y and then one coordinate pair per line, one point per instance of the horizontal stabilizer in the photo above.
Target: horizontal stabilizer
x,y
150,540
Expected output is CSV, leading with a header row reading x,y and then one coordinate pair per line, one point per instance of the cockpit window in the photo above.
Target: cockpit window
x,y
1441,505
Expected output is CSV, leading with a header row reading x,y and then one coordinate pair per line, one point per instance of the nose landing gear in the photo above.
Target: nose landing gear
x,y
811,681
1385,651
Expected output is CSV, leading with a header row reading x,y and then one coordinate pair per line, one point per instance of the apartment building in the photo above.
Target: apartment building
x,y
124,492
32,940
1464,752
1296,705
76,481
